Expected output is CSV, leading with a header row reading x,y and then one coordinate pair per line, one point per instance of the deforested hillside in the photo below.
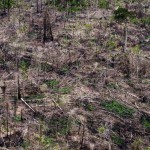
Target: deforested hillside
x,y
74,75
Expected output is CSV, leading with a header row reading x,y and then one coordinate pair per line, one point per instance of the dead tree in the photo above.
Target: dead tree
x,y
47,28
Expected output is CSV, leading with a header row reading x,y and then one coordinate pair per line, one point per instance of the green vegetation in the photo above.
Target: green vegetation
x,y
118,108
37,96
64,70
65,90
113,85
53,84
7,4
24,65
103,4
146,122
47,142
87,106
117,140
60,125
101,129
122,14
25,145
70,6
46,67
17,118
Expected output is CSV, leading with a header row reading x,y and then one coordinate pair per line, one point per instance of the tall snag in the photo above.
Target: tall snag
x,y
47,29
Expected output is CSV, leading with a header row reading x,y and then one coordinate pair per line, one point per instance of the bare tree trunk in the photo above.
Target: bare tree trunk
x,y
125,36
47,29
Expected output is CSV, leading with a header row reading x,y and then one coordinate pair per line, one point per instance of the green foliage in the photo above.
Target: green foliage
x,y
117,140
46,67
17,118
103,4
87,106
64,70
136,49
38,96
53,84
148,148
62,123
46,141
113,85
145,20
122,14
118,108
101,129
136,145
24,65
111,44
65,90
146,123
25,145
70,5
7,4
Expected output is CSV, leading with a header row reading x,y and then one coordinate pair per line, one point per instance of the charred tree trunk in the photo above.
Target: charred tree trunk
x,y
47,29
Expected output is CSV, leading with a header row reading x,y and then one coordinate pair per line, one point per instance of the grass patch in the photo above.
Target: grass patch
x,y
65,90
118,108
113,85
53,84
103,4
24,65
87,106
117,140
101,130
146,122
46,67
17,118
60,125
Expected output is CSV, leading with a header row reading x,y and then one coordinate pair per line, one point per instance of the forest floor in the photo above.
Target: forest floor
x,y
84,91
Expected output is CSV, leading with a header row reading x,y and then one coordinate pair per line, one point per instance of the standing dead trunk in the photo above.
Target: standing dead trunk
x,y
125,36
47,29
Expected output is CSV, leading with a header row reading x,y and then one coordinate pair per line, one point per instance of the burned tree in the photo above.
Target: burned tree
x,y
47,28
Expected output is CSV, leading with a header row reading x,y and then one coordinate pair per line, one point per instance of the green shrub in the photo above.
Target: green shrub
x,y
17,118
65,90
24,65
118,108
117,140
146,122
103,4
53,84
61,125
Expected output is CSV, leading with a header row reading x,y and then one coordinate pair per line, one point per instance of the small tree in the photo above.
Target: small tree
x,y
123,15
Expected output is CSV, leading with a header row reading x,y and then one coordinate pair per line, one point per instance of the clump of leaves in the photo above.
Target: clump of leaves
x,y
117,140
113,85
64,70
25,145
101,129
137,144
17,118
24,65
103,4
70,5
60,125
118,108
65,90
122,14
37,96
46,141
53,84
146,122
46,67
87,106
